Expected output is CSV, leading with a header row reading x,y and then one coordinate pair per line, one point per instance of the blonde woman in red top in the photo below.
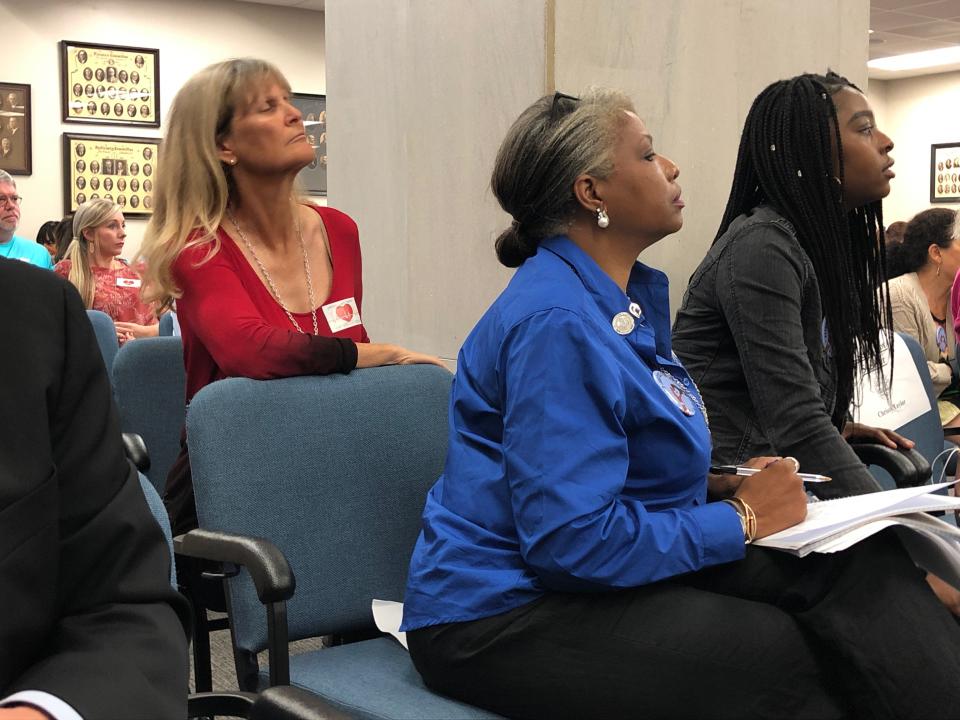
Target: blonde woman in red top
x,y
105,280
266,284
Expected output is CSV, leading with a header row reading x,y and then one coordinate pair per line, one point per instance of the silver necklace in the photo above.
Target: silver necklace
x,y
266,275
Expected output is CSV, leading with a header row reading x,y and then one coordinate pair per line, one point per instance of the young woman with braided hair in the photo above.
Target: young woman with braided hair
x,y
783,312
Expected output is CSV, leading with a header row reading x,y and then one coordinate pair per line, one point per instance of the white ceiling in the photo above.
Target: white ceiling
x,y
907,26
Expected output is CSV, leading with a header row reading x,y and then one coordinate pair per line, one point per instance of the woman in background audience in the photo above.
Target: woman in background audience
x,y
893,234
64,237
783,314
570,565
105,280
267,285
47,236
921,271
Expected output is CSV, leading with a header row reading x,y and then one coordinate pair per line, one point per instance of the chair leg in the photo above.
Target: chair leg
x,y
202,673
188,579
248,670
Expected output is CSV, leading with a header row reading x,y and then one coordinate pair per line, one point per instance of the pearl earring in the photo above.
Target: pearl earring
x,y
603,220
233,161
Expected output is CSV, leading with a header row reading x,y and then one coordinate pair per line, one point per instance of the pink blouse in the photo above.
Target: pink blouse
x,y
117,293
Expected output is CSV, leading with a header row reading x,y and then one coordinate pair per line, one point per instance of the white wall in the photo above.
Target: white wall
x,y
425,90
190,34
421,92
916,113
693,69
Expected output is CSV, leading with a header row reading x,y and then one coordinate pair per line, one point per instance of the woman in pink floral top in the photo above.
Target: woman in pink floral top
x,y
105,281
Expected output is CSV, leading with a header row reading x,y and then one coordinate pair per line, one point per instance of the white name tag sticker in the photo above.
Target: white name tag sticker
x,y
128,282
342,314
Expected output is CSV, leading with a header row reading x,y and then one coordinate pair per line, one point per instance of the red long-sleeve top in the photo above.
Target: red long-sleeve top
x,y
233,327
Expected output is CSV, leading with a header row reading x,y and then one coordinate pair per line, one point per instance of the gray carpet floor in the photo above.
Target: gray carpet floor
x,y
221,659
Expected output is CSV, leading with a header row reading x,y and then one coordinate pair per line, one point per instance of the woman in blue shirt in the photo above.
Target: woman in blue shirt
x,y
570,564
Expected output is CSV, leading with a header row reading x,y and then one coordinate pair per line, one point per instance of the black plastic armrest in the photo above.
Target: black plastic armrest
x,y
136,451
908,468
286,702
215,704
267,565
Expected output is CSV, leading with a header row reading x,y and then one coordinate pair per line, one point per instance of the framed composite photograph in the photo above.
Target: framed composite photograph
x,y
109,84
945,173
15,123
314,110
117,168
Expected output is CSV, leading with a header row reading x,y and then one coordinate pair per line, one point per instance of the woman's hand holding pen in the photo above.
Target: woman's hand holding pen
x,y
725,485
775,494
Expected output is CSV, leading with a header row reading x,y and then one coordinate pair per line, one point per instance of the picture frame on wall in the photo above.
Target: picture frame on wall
x,y
313,178
15,124
109,84
122,169
945,173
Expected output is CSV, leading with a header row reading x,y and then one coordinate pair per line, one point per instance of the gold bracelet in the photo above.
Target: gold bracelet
x,y
748,518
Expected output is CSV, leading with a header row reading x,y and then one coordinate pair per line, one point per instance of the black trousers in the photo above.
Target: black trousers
x,y
853,634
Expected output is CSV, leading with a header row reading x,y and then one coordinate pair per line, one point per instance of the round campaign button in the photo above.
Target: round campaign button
x,y
623,323
674,390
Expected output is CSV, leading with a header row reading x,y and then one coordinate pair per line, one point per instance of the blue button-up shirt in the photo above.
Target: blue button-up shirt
x,y
571,464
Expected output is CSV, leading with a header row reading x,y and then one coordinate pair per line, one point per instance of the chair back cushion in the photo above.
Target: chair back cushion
x,y
106,334
149,384
160,515
333,470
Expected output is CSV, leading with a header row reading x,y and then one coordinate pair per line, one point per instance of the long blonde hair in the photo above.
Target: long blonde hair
x,y
193,186
92,214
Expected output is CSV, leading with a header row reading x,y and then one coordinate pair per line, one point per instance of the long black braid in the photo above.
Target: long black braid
x,y
786,161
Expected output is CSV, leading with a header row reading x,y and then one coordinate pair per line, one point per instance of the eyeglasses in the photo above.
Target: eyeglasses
x,y
12,199
557,110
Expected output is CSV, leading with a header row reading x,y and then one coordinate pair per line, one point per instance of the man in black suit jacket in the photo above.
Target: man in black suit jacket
x,y
87,613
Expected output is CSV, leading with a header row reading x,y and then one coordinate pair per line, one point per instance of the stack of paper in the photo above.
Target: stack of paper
x,y
838,524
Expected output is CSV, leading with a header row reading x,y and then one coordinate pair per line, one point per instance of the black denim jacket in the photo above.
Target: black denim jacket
x,y
751,334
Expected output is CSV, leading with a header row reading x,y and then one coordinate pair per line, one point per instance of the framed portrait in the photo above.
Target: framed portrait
x,y
109,84
314,111
121,169
15,122
945,173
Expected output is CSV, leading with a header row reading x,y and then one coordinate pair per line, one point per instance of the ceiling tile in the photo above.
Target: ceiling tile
x,y
942,10
928,30
884,20
896,4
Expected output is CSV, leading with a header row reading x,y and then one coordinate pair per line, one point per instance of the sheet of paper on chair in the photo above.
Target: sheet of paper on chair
x,y
908,399
388,615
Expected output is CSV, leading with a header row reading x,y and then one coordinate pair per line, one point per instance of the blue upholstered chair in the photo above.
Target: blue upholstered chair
x,y
106,334
165,328
280,703
924,430
160,514
324,477
148,384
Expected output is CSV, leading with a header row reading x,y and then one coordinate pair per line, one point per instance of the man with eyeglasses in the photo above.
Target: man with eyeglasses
x,y
11,246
